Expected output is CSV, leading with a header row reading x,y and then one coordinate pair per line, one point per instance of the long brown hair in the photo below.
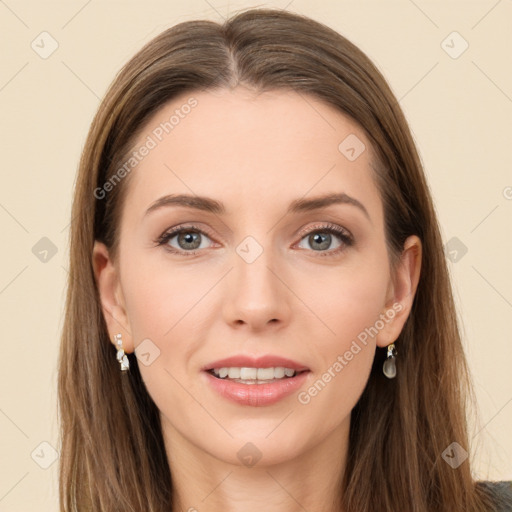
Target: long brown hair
x,y
112,453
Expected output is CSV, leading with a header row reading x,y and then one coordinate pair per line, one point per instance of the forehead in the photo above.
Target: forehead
x,y
243,147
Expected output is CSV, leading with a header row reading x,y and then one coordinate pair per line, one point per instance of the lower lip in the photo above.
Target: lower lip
x,y
257,395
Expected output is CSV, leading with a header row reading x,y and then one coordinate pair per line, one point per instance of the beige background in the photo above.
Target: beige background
x,y
460,111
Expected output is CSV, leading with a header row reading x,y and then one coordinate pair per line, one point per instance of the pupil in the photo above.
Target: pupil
x,y
189,241
317,238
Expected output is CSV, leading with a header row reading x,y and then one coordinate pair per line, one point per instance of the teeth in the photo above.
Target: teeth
x,y
265,373
248,373
253,374
279,372
234,373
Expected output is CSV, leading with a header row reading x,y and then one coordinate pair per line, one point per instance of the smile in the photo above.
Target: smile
x,y
255,392
249,375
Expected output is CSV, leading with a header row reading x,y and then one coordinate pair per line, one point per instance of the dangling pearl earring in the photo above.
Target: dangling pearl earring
x,y
389,366
121,356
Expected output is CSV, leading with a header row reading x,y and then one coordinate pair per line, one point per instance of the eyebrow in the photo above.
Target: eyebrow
x,y
208,204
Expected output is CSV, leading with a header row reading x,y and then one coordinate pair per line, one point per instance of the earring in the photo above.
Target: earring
x,y
389,366
121,356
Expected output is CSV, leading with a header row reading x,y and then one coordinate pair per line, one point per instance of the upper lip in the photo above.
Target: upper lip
x,y
266,361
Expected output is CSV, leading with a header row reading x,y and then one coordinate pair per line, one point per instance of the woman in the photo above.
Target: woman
x,y
259,313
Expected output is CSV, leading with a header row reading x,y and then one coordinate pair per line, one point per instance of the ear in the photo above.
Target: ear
x,y
401,292
111,296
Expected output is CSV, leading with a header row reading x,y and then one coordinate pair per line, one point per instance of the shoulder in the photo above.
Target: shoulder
x,y
501,493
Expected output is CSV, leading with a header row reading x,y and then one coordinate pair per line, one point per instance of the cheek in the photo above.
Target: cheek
x,y
349,302
158,296
171,306
350,305
164,306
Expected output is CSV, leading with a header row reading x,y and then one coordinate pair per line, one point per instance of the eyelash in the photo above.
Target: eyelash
x,y
332,229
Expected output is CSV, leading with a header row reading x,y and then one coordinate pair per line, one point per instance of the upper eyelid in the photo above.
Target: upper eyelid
x,y
176,230
326,226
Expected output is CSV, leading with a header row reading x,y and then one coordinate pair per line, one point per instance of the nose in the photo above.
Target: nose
x,y
257,297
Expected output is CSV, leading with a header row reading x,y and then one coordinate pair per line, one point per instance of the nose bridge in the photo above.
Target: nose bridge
x,y
253,262
256,294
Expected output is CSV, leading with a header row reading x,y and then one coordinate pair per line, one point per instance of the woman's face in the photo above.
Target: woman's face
x,y
256,272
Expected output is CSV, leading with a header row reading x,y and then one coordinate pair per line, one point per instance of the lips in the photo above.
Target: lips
x,y
266,361
256,393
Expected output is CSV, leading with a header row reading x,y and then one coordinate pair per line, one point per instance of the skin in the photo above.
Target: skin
x,y
255,153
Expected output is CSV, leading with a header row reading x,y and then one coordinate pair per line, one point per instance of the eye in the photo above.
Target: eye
x,y
320,238
188,238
